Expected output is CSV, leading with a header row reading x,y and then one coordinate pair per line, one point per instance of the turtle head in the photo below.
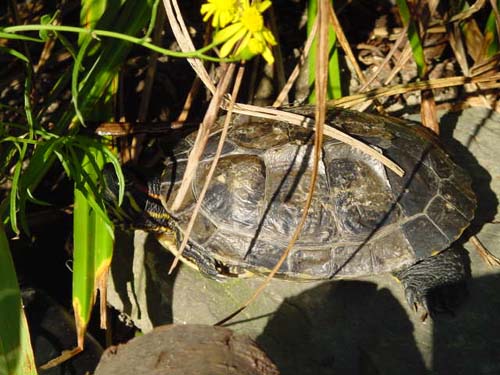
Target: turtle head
x,y
141,207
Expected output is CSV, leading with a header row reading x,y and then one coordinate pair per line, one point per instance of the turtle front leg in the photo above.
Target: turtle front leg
x,y
435,284
191,257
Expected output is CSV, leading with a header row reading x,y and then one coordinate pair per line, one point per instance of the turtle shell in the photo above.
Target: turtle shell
x,y
364,219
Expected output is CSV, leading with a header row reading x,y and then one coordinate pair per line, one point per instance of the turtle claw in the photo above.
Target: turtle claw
x,y
418,302
435,285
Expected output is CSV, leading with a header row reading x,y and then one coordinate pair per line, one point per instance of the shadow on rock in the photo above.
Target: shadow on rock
x,y
344,327
351,327
481,179
141,281
470,343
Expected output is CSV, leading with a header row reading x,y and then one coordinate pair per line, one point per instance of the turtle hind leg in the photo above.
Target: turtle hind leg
x,y
436,284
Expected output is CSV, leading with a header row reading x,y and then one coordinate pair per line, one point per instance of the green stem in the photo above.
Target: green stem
x,y
112,34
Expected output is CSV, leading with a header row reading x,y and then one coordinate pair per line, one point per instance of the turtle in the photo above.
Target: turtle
x,y
363,220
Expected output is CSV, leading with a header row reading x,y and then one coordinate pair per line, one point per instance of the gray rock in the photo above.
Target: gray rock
x,y
363,326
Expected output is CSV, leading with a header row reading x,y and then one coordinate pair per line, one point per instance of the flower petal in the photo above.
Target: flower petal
x,y
268,55
243,44
225,18
228,46
256,46
205,8
262,6
269,37
226,33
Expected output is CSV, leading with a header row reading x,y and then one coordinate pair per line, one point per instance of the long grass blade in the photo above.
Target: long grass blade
x,y
16,355
83,264
93,242
334,88
413,37
492,30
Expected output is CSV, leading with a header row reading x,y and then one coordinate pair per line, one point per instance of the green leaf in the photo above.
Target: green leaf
x,y
83,263
74,77
16,354
46,19
413,37
4,35
132,16
334,89
15,53
491,34
93,240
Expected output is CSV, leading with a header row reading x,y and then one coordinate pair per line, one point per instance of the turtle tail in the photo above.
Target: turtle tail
x,y
141,207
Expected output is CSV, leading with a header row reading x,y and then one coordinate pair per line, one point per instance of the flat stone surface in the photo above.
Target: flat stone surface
x,y
361,326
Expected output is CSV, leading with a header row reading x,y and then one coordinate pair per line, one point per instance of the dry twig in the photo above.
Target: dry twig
x,y
220,145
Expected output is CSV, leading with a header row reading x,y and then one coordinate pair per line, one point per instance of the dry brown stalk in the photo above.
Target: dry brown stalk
x,y
220,145
352,100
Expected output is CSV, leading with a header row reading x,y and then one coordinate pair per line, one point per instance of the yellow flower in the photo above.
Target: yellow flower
x,y
248,29
223,11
